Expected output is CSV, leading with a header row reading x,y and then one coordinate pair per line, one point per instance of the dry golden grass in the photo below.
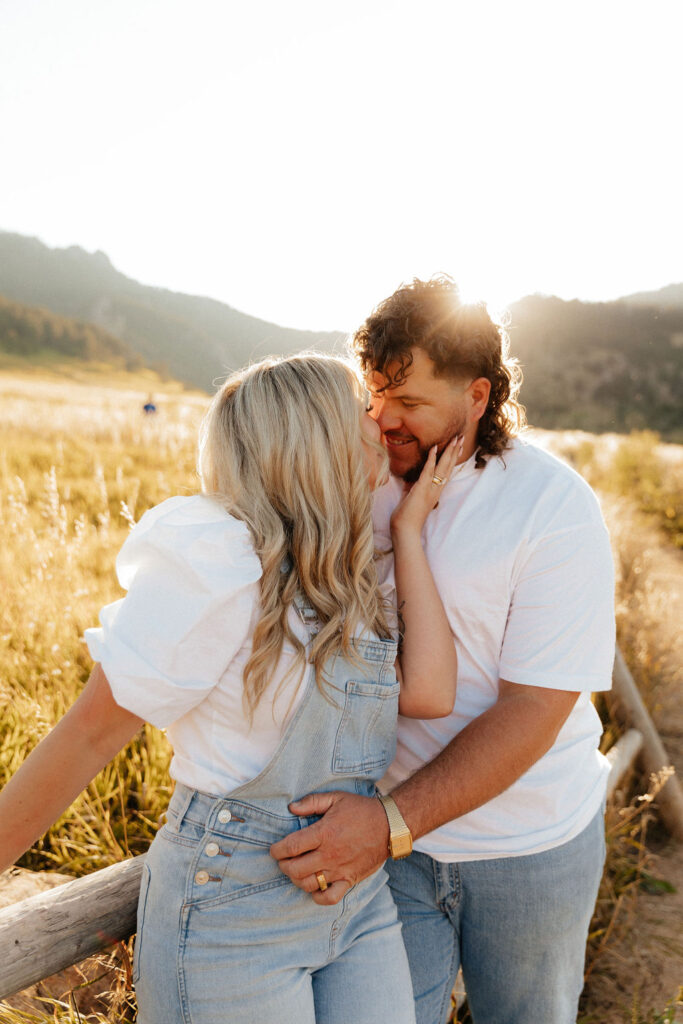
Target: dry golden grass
x,y
79,463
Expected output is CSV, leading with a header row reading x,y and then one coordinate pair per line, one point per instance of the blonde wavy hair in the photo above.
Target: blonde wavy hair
x,y
281,448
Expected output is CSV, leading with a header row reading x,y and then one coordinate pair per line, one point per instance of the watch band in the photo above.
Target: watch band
x,y
400,839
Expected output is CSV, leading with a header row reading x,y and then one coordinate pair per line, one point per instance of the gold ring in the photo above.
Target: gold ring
x,y
438,480
322,881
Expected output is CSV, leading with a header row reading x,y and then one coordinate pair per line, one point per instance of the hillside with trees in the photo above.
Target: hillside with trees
x,y
603,366
32,334
197,339
607,366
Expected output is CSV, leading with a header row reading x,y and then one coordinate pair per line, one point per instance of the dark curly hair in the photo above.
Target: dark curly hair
x,y
461,340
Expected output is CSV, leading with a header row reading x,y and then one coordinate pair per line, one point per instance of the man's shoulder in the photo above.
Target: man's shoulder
x,y
525,455
538,478
527,451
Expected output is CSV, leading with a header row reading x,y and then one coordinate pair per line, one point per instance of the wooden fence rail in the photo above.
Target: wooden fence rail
x,y
53,930
631,708
621,757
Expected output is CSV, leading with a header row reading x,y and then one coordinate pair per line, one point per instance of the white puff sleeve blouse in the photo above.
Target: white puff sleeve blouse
x,y
192,579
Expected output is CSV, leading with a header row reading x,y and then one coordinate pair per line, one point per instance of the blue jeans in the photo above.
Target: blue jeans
x,y
516,925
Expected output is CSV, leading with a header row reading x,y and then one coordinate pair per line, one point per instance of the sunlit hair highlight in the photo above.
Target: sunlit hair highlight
x,y
281,448
461,339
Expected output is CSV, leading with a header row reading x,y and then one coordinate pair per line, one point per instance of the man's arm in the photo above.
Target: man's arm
x,y
350,841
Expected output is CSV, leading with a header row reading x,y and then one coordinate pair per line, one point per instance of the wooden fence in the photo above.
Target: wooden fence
x,y
51,931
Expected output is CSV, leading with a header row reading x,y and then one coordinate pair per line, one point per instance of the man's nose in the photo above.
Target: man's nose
x,y
387,418
375,407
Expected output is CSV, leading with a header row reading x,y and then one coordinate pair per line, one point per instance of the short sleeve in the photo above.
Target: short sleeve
x,y
560,631
191,576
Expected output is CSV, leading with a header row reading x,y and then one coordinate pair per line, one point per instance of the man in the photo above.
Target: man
x,y
504,798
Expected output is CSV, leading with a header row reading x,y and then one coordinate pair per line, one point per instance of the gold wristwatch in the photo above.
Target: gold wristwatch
x,y
400,839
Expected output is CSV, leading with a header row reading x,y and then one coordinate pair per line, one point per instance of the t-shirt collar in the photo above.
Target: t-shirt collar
x,y
465,469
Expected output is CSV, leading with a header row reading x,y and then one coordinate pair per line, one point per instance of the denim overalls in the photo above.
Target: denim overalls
x,y
223,936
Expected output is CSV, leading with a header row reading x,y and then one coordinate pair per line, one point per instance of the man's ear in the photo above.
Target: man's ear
x,y
480,391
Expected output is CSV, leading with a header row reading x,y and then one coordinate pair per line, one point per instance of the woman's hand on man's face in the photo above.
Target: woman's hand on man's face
x,y
421,497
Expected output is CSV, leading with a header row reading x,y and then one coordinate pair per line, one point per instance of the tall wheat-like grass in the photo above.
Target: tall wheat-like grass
x,y
78,465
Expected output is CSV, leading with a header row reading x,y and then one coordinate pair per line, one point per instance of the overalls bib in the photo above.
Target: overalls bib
x,y
223,936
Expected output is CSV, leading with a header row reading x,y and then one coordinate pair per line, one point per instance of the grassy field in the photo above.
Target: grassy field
x,y
79,463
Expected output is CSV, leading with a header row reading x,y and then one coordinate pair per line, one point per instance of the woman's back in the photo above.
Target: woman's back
x,y
182,667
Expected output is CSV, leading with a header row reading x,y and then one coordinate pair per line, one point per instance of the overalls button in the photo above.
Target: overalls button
x,y
224,817
211,849
202,877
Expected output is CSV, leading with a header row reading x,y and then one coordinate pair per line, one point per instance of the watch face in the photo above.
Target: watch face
x,y
401,846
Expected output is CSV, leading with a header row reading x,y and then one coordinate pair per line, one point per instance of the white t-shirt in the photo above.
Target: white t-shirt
x,y
521,557
175,647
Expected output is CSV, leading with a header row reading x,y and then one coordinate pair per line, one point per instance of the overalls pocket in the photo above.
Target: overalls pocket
x,y
366,737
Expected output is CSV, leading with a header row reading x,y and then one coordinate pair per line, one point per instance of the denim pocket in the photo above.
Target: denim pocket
x,y
366,738
142,906
246,868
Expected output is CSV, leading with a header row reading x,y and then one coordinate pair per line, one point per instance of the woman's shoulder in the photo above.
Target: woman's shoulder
x,y
187,517
195,510
195,530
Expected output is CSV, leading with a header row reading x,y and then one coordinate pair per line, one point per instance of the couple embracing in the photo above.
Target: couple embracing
x,y
324,862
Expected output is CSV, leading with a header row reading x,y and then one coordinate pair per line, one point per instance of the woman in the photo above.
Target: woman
x,y
232,594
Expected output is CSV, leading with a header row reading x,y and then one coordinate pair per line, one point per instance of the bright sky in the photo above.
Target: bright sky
x,y
299,160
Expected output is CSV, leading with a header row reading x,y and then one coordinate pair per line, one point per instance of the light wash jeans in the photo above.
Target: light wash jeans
x,y
516,925
223,936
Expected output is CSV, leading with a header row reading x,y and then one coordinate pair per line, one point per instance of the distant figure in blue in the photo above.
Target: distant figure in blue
x,y
149,408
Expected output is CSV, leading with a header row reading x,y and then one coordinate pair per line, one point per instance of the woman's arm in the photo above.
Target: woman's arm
x,y
428,665
88,736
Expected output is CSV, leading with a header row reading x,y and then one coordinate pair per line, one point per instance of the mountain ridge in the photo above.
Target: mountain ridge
x,y
197,338
668,297
596,366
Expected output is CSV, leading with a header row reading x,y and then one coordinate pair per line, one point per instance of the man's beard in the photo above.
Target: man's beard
x,y
456,428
